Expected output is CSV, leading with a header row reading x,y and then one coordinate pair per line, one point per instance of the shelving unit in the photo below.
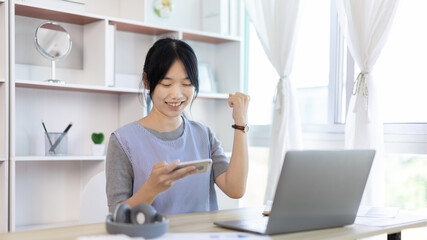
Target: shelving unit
x,y
84,100
48,193
4,115
100,94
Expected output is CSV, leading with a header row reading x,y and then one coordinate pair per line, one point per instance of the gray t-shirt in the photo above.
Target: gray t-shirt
x,y
118,164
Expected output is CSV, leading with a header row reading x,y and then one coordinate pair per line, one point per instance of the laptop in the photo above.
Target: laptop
x,y
316,189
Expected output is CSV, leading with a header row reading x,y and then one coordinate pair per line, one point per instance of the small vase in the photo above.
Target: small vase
x,y
98,149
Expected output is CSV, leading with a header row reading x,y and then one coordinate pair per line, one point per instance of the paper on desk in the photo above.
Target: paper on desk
x,y
110,237
213,236
378,212
400,218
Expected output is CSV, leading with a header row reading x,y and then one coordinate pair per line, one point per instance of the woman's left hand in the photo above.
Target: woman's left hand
x,y
239,102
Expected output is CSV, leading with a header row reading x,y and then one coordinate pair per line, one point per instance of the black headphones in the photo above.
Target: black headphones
x,y
142,220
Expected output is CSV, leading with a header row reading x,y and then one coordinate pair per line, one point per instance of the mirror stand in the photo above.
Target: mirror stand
x,y
54,43
52,75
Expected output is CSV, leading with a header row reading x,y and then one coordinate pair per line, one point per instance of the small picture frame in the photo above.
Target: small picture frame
x,y
206,78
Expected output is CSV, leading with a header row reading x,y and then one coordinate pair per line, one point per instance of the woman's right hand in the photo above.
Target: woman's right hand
x,y
163,177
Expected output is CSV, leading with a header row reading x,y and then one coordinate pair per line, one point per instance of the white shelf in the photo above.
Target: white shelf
x,y
89,88
42,12
139,27
2,80
73,87
208,37
58,158
2,159
212,95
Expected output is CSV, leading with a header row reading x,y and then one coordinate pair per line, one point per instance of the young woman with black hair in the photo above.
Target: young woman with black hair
x,y
141,155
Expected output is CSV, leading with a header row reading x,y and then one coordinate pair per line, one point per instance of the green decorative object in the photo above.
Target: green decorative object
x,y
97,138
163,8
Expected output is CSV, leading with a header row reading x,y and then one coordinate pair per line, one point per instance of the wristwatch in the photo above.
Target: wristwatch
x,y
242,128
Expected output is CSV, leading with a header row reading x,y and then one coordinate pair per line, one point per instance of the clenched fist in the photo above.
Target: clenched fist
x,y
239,103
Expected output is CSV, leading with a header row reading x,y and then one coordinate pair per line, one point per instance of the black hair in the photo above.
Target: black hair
x,y
162,55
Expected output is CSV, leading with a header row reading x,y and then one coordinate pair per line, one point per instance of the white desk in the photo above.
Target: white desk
x,y
203,222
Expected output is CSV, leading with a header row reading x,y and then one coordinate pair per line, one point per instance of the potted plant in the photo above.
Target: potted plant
x,y
98,148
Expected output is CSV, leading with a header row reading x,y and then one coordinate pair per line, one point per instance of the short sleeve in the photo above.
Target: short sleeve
x,y
219,160
119,173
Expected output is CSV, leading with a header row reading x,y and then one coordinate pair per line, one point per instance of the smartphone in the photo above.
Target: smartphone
x,y
202,166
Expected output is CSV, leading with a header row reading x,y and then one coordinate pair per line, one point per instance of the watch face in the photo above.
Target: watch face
x,y
246,128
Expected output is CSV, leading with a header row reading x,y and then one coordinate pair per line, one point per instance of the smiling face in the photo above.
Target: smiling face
x,y
173,93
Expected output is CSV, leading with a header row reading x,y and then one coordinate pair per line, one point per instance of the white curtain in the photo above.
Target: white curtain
x,y
367,23
276,24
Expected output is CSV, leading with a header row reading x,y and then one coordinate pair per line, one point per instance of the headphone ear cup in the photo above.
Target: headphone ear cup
x,y
156,224
121,213
142,214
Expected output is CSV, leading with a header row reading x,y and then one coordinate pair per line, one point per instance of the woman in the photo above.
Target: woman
x,y
141,155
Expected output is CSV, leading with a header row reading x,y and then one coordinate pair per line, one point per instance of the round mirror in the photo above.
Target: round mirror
x,y
54,43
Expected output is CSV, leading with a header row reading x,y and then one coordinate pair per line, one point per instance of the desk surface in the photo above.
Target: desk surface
x,y
203,222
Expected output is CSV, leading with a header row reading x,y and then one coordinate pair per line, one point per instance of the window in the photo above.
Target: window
x,y
401,67
311,75
401,70
323,73
262,82
310,71
406,184
261,87
310,68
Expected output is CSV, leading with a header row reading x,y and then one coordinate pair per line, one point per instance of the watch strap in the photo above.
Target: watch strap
x,y
239,127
